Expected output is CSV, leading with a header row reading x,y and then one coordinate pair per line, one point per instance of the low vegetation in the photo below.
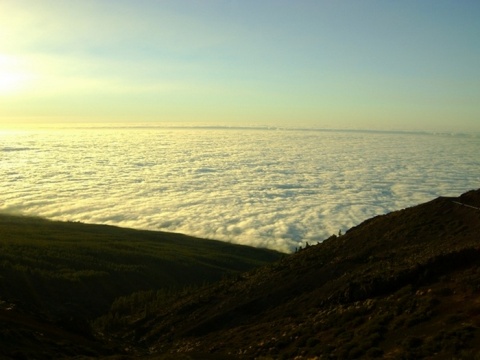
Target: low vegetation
x,y
67,273
400,286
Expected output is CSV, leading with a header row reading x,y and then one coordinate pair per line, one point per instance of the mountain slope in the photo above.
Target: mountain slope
x,y
55,277
402,285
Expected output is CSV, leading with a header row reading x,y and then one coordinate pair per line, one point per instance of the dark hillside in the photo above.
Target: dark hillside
x,y
63,274
46,264
400,286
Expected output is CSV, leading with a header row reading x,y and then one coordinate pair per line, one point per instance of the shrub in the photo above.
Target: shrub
x,y
375,352
412,342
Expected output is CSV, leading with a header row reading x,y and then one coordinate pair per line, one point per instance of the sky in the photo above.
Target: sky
x,y
391,65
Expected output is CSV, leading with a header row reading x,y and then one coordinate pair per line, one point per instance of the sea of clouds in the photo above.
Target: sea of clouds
x,y
274,188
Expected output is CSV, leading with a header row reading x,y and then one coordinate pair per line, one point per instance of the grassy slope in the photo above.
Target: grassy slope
x,y
63,274
51,263
64,269
400,286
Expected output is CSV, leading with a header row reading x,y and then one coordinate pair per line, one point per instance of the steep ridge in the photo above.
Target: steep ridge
x,y
403,285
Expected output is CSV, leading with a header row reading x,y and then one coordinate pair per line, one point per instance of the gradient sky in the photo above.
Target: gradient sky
x,y
403,65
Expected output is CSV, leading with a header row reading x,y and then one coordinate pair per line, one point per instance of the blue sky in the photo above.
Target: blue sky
x,y
409,65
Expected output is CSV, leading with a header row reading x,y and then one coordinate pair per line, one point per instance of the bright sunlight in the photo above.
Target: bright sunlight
x,y
12,77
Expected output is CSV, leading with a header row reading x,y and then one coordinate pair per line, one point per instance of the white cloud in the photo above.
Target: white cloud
x,y
275,189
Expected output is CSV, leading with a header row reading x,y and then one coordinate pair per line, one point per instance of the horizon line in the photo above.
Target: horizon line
x,y
194,126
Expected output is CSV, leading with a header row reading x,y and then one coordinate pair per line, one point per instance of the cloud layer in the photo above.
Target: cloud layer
x,y
268,188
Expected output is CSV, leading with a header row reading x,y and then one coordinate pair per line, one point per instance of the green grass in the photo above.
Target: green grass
x,y
46,264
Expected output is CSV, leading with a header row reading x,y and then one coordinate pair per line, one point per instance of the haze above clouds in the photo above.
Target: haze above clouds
x,y
323,64
266,188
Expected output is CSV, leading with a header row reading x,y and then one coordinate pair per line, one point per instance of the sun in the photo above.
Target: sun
x,y
10,83
12,77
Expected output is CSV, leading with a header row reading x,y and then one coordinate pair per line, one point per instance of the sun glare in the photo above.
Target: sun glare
x,y
10,82
12,77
